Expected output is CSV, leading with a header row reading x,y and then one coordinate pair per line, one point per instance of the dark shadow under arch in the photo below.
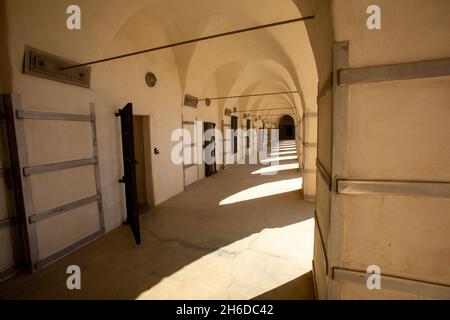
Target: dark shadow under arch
x,y
286,126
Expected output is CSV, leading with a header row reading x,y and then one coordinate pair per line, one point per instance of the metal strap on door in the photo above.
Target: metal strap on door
x,y
16,134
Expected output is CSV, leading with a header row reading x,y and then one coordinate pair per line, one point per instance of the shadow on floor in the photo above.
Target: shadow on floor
x,y
301,288
178,238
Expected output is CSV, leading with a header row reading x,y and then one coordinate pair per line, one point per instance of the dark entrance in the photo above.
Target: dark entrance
x,y
248,132
129,167
210,142
234,126
287,128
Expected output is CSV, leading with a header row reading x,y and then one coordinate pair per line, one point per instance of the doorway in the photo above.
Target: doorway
x,y
234,127
210,148
144,183
247,139
287,128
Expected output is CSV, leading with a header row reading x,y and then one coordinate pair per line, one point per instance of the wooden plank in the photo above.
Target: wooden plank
x,y
58,255
401,188
9,273
322,244
323,174
27,171
61,209
42,64
98,184
314,275
389,282
339,165
7,222
39,115
22,187
393,72
326,87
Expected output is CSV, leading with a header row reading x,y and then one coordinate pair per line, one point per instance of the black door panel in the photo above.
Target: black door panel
x,y
129,166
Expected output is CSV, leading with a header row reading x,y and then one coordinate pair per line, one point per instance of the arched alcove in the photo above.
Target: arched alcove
x,y
286,125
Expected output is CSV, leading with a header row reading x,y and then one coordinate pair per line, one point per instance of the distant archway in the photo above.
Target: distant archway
x,y
287,128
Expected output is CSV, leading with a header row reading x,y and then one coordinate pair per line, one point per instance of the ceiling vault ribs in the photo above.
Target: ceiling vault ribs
x,y
274,24
250,95
259,110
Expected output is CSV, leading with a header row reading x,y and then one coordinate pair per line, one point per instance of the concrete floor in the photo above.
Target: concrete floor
x,y
235,235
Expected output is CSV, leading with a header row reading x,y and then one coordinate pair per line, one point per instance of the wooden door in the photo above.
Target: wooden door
x,y
129,167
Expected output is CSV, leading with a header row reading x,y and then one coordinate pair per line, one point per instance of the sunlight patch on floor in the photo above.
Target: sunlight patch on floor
x,y
288,150
282,153
244,269
284,148
275,169
264,190
278,159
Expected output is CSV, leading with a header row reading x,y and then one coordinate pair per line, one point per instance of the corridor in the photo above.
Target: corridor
x,y
107,108
240,234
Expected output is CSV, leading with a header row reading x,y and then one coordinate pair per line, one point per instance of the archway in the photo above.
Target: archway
x,y
286,126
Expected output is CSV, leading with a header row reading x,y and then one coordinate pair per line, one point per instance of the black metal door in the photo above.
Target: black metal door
x,y
210,168
234,126
129,166
248,132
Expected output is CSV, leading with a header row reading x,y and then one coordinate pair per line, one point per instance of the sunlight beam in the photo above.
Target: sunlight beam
x,y
282,153
283,149
264,190
278,159
243,269
281,167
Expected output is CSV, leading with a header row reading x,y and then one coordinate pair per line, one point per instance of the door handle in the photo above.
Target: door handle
x,y
122,180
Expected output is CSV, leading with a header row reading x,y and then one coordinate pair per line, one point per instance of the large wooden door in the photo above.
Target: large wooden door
x,y
234,127
12,255
248,125
210,168
44,225
129,167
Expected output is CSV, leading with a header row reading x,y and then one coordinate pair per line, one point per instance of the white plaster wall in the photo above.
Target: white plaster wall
x,y
113,85
397,131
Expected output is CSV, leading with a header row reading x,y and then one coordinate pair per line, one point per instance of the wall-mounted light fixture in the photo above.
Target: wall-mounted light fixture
x,y
208,102
151,79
